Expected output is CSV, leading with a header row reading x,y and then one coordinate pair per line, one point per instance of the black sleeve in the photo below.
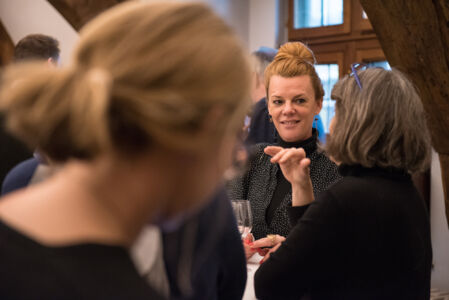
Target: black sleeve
x,y
261,130
12,151
295,213
307,257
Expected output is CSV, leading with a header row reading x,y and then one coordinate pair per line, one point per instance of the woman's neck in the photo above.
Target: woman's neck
x,y
103,202
309,144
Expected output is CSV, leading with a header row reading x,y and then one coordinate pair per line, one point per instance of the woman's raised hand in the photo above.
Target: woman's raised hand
x,y
293,162
295,167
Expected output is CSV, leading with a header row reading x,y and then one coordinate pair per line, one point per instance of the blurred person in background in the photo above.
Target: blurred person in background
x,y
261,129
33,47
144,132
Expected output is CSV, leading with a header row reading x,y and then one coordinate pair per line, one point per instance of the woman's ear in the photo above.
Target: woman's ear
x,y
319,106
268,106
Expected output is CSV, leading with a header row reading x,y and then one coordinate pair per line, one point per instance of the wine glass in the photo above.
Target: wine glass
x,y
242,212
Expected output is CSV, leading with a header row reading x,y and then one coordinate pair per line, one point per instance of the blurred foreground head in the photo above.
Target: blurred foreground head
x,y
142,76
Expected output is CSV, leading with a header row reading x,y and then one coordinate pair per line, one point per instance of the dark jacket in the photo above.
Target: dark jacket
x,y
204,258
367,237
261,130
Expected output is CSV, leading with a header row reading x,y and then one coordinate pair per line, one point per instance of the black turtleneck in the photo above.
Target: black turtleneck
x,y
283,186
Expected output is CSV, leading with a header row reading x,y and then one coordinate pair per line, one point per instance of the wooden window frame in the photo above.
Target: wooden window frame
x,y
315,32
336,57
332,58
369,55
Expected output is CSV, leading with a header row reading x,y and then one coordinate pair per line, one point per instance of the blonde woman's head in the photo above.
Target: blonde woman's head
x,y
295,59
294,92
383,124
142,75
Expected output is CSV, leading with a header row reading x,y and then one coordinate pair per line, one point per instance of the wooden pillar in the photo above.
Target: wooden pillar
x,y
6,46
414,36
79,12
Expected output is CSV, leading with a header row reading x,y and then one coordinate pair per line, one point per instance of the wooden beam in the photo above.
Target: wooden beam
x,y
79,12
6,46
414,36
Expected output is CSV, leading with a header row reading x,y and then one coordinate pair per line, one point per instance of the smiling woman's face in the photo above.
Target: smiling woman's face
x,y
292,106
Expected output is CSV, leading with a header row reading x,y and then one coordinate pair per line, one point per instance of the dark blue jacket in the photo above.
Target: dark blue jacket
x,y
217,269
20,176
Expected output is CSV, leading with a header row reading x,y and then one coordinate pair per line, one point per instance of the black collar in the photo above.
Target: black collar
x,y
361,171
309,145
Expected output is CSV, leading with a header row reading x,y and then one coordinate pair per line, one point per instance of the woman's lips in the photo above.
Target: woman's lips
x,y
290,123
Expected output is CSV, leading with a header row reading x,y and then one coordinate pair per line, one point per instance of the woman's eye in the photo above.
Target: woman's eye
x,y
300,100
277,101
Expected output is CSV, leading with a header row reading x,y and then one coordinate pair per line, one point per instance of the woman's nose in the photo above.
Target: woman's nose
x,y
288,108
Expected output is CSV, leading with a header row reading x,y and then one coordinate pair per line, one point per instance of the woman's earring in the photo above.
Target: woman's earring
x,y
270,118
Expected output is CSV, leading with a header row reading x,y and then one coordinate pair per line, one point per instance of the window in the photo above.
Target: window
x,y
329,74
373,57
379,64
339,33
313,18
364,15
317,13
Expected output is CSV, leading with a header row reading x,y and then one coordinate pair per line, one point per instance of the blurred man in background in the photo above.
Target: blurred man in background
x,y
12,152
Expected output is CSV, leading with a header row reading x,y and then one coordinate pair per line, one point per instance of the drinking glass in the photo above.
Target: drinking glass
x,y
242,212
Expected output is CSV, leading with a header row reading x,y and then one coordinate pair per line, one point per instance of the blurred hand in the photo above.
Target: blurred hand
x,y
247,242
267,245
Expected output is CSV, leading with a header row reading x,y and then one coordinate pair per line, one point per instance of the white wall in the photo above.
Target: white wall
x,y
23,17
235,12
439,226
262,24
254,21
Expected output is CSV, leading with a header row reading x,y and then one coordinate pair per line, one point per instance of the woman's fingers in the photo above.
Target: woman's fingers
x,y
262,251
269,241
304,166
272,150
292,156
281,155
263,242
280,239
248,238
267,245
269,253
249,251
278,156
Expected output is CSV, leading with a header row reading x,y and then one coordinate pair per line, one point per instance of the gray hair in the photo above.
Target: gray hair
x,y
261,59
383,124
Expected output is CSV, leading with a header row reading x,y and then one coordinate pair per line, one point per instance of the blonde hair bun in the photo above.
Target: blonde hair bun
x,y
142,74
296,50
295,59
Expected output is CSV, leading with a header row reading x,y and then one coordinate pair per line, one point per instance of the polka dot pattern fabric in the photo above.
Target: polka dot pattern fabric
x,y
259,184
